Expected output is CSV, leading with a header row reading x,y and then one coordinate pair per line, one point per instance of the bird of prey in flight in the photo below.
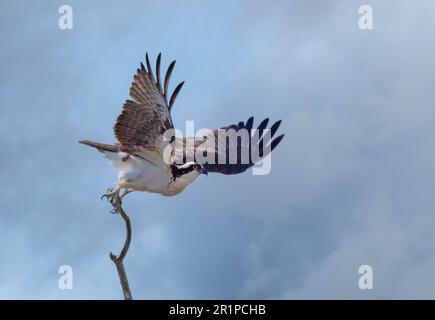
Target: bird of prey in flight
x,y
141,140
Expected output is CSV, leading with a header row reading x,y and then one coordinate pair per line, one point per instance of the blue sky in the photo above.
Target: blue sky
x,y
351,184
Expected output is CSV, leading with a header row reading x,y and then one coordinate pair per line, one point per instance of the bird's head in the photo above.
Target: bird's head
x,y
189,170
185,174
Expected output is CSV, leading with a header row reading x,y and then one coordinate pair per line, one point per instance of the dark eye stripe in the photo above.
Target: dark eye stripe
x,y
177,172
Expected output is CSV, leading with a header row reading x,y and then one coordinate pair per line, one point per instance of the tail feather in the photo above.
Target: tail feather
x,y
100,146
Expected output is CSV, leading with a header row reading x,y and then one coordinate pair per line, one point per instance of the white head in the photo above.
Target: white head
x,y
185,174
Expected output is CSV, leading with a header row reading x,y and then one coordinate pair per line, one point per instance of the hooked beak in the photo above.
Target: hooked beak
x,y
204,171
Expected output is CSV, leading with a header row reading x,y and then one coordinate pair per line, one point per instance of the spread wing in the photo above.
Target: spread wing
x,y
222,152
147,116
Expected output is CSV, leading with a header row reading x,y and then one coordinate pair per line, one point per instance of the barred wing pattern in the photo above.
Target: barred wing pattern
x,y
145,118
187,149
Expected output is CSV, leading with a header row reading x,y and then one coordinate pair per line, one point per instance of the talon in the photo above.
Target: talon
x,y
108,194
116,207
114,198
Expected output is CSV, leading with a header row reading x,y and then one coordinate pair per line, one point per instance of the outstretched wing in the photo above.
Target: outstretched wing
x,y
226,150
147,116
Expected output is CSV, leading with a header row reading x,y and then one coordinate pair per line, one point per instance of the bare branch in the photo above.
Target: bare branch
x,y
119,260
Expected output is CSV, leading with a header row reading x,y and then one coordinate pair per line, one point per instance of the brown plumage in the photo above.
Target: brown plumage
x,y
145,118
100,146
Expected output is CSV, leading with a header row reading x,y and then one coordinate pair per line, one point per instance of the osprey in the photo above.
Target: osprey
x,y
140,131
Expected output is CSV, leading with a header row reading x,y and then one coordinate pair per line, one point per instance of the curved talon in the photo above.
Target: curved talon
x,y
109,193
114,198
115,209
106,196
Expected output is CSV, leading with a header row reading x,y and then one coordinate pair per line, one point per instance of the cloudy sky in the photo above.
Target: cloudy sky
x,y
352,183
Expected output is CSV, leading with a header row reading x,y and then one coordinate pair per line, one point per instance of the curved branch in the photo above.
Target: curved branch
x,y
119,260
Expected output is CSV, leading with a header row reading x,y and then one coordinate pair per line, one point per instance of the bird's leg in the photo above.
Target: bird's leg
x,y
113,196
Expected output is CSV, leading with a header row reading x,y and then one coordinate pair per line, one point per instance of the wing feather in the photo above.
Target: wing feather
x,y
167,78
147,116
175,94
220,146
